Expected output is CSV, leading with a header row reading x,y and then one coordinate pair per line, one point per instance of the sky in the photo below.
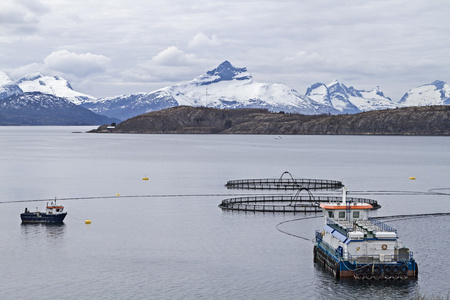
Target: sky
x,y
108,48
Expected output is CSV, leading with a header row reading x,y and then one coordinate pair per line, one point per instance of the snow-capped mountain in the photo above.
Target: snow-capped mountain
x,y
128,106
35,108
224,87
348,99
229,87
435,93
54,85
8,87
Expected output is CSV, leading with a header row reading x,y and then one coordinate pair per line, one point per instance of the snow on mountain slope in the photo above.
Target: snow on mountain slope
x,y
55,85
340,97
435,93
348,99
373,100
8,87
127,106
230,87
223,87
319,93
35,108
240,93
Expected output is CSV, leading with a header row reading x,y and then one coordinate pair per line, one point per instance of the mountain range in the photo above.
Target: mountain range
x,y
36,108
228,87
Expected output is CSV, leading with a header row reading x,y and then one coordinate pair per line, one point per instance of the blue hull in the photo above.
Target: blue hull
x,y
364,271
42,218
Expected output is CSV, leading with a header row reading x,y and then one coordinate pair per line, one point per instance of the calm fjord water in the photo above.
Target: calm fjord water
x,y
173,242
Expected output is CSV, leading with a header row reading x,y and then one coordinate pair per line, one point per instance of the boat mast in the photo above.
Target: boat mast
x,y
344,196
344,202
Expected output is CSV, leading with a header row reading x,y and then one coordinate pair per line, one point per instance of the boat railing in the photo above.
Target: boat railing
x,y
362,259
341,227
365,259
329,249
383,226
369,226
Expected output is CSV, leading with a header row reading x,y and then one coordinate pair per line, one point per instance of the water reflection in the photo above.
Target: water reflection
x,y
365,289
51,231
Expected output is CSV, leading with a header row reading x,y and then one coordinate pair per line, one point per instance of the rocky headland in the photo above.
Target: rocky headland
x,y
428,120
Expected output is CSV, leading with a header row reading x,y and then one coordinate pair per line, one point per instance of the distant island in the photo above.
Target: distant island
x,y
425,120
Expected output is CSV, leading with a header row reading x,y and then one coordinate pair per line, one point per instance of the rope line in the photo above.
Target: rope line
x,y
394,218
127,196
405,217
434,191
293,220
74,217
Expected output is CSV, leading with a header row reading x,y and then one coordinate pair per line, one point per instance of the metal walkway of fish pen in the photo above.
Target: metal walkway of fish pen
x,y
284,184
286,204
282,203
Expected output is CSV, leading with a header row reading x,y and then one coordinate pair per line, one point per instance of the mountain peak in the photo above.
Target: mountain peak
x,y
378,91
435,93
30,77
225,71
8,87
52,85
438,84
335,82
226,65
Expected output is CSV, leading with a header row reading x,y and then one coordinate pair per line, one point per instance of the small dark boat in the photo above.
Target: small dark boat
x,y
53,214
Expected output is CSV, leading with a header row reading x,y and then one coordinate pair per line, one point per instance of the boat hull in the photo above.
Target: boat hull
x,y
376,270
42,218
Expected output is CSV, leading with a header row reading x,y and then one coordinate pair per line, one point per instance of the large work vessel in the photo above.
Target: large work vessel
x,y
351,245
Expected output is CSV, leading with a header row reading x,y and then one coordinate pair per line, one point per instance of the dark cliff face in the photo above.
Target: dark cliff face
x,y
186,119
431,120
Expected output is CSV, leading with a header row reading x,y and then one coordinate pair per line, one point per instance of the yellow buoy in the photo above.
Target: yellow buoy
x,y
87,222
117,194
145,178
412,178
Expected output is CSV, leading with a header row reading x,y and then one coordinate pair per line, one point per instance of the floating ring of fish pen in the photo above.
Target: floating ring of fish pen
x,y
286,204
284,184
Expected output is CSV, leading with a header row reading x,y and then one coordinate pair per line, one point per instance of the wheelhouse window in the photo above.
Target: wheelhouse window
x,y
342,215
356,215
331,214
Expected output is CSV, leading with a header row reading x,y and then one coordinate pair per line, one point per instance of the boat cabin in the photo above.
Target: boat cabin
x,y
346,212
54,209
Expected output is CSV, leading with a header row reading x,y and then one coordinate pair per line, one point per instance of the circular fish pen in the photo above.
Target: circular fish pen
x,y
286,204
284,184
283,203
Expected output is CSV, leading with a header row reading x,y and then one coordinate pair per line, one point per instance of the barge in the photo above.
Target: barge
x,y
351,245
54,214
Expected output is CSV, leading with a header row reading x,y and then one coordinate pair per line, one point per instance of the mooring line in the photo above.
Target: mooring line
x,y
400,193
293,220
132,196
74,217
394,218
404,217
434,191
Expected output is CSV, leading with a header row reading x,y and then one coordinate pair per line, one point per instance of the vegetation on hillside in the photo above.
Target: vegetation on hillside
x,y
429,120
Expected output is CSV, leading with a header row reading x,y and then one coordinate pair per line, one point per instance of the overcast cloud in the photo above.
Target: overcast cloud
x,y
107,48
